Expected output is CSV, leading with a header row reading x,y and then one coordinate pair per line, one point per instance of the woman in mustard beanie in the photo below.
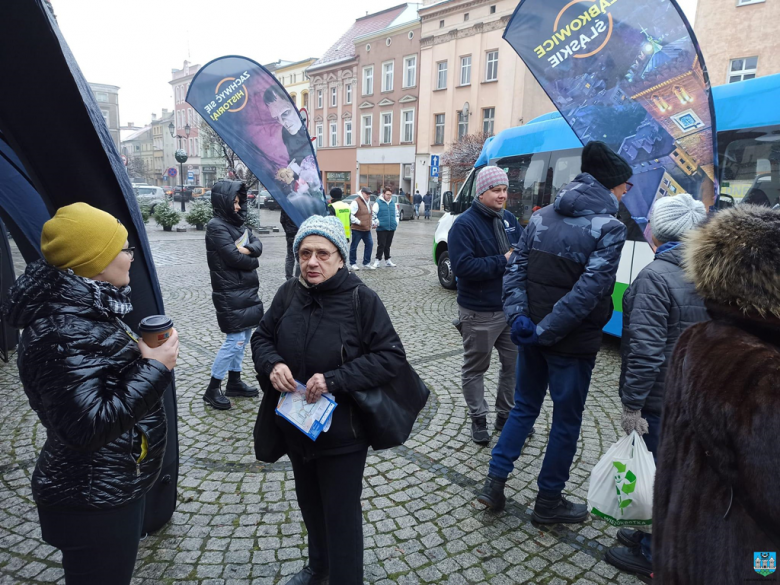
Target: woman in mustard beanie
x,y
97,390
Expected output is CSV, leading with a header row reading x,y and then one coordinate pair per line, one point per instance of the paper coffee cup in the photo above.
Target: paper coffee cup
x,y
156,329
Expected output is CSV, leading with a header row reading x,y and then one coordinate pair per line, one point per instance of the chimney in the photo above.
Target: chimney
x,y
165,113
154,117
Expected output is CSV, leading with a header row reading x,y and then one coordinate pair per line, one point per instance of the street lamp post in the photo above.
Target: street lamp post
x,y
181,157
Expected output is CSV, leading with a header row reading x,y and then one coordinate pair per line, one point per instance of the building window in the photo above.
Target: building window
x,y
493,9
410,71
488,121
101,96
105,116
741,69
333,97
333,134
441,75
368,80
306,99
441,24
491,66
319,135
368,122
387,128
319,98
439,129
746,2
348,93
388,71
407,126
463,125
348,133
465,70
466,17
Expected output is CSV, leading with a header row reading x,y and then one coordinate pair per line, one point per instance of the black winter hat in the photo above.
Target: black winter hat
x,y
605,166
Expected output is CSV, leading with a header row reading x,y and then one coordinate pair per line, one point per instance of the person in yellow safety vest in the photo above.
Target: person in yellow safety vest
x,y
340,209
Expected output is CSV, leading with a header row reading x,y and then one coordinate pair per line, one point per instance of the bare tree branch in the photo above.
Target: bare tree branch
x,y
237,170
460,157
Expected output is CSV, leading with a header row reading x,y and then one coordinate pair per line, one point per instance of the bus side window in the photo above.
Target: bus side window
x,y
566,165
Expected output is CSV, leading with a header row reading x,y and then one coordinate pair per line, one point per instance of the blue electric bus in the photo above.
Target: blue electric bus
x,y
544,155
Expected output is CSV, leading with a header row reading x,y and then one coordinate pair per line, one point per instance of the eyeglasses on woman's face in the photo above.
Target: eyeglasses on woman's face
x,y
321,254
628,186
129,251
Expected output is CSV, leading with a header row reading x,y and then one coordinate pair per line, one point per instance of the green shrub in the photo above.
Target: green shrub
x,y
200,213
166,216
146,212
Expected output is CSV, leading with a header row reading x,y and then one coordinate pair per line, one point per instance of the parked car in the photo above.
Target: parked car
x,y
177,193
405,207
198,191
149,195
168,191
262,197
351,198
270,203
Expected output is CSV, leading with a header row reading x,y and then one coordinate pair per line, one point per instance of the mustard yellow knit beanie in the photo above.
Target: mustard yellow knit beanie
x,y
82,238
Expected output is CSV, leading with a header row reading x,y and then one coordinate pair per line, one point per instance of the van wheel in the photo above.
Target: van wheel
x,y
446,277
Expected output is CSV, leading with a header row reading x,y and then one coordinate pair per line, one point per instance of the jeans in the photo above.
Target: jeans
x,y
384,241
481,333
417,210
569,380
427,212
357,237
328,490
98,546
289,261
652,438
231,354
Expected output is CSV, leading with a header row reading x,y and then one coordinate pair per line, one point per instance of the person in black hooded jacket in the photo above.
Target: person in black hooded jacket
x,y
234,283
97,391
310,335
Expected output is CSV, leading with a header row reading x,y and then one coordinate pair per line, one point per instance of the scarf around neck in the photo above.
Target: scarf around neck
x,y
110,299
498,225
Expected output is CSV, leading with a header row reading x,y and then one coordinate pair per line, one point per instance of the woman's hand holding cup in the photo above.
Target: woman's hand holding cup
x,y
166,354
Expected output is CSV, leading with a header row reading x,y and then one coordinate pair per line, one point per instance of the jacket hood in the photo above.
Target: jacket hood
x,y
222,196
671,252
734,259
585,196
43,291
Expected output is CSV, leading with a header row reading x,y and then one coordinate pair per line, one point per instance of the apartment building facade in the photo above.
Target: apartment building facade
x,y
183,116
292,75
107,97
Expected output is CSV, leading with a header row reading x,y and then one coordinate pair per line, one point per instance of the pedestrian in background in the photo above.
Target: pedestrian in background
x,y
362,220
290,229
558,297
310,334
417,200
386,213
96,389
659,305
481,240
427,202
716,495
234,285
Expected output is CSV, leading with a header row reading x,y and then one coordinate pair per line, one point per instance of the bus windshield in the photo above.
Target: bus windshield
x,y
750,166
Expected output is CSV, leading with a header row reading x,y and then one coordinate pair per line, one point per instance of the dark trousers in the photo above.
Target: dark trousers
x,y
652,439
98,546
289,262
357,237
384,240
568,379
329,490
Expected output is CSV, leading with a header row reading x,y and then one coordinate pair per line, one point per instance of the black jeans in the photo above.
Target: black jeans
x,y
384,240
98,546
328,490
289,262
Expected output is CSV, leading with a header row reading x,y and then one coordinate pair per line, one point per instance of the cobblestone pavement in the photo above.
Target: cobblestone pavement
x,y
237,521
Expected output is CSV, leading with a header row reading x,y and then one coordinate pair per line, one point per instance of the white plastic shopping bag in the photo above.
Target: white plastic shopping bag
x,y
621,484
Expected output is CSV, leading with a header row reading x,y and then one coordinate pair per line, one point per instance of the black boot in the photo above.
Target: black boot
x,y
492,494
629,559
307,577
558,511
479,432
214,397
630,538
235,387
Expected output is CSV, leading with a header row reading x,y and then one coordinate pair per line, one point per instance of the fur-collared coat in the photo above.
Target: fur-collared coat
x,y
717,497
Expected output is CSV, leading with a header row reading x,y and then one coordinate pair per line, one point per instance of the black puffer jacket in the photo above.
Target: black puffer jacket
x,y
317,334
94,394
658,306
234,279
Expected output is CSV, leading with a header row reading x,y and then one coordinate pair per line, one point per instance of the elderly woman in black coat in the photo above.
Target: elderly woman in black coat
x,y
310,335
97,391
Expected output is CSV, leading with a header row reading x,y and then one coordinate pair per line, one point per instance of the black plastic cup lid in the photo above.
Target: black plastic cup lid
x,y
155,323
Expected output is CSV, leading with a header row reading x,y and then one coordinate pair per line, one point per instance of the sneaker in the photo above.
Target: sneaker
x,y
354,267
390,263
369,266
479,431
559,511
375,265
630,538
500,422
492,494
630,560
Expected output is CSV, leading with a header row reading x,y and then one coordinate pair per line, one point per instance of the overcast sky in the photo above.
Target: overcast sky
x,y
134,44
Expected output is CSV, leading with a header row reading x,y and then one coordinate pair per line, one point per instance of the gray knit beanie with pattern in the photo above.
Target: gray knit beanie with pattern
x,y
674,215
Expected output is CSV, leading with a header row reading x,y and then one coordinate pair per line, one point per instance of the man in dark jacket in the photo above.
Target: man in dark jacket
x,y
557,297
290,229
232,251
427,202
480,244
417,200
659,305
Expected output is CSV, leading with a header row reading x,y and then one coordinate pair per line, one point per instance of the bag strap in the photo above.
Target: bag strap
x,y
288,298
356,308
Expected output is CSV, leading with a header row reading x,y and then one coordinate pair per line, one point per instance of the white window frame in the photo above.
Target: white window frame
x,y
319,131
462,121
368,80
334,97
491,120
319,99
385,127
101,93
410,68
366,127
106,116
334,134
436,127
749,2
441,72
465,70
407,127
347,132
491,63
742,72
388,75
348,93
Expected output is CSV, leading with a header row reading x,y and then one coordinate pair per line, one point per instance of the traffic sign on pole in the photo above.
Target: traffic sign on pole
x,y
434,165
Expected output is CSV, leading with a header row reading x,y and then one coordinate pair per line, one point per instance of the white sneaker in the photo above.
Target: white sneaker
x,y
375,264
390,263
355,267
369,266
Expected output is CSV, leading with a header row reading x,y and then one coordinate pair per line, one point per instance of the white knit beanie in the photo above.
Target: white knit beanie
x,y
674,215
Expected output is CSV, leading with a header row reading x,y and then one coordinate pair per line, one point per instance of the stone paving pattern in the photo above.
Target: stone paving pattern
x,y
237,520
